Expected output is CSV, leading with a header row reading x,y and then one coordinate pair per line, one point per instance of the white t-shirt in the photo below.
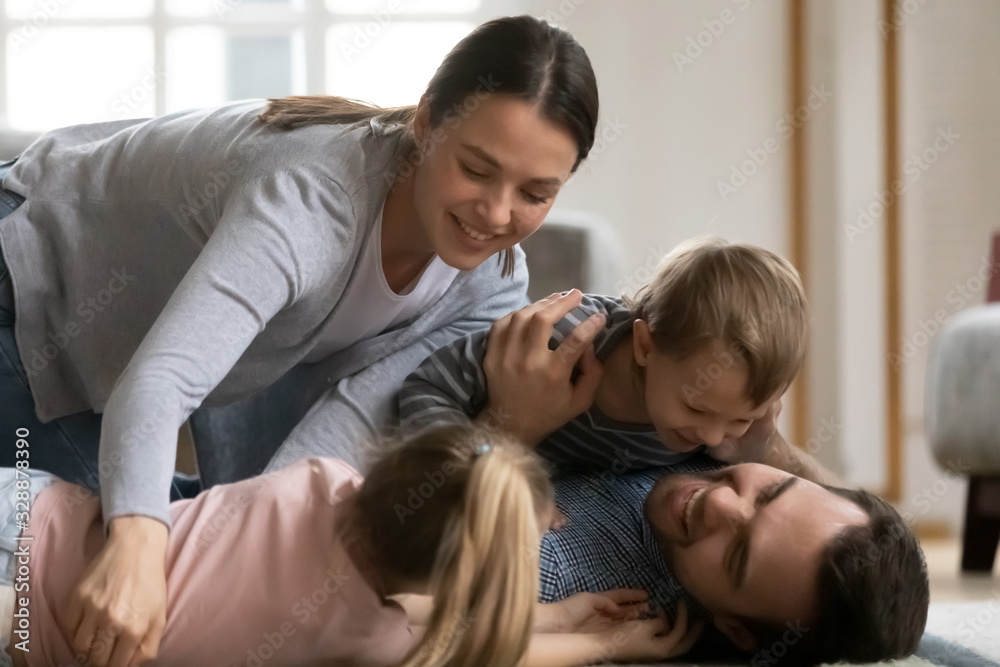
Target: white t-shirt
x,y
368,306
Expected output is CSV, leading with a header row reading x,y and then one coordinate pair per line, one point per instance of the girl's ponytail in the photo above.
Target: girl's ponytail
x,y
486,580
459,509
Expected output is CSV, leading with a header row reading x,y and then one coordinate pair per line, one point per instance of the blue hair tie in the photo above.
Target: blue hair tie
x,y
482,448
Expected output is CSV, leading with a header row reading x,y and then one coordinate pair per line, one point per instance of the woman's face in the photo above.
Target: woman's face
x,y
489,175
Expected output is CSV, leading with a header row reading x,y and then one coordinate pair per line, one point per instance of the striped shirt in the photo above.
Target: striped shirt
x,y
607,542
450,387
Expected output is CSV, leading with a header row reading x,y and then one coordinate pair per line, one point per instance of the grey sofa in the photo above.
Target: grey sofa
x,y
963,417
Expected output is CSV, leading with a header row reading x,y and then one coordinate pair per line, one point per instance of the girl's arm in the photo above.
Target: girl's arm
x,y
590,612
636,640
580,613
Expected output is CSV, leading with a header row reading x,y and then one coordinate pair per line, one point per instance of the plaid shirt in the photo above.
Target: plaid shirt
x,y
607,542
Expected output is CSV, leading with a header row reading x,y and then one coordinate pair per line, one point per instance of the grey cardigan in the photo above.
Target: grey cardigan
x,y
160,264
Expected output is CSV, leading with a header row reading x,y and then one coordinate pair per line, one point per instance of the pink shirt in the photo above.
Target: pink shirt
x,y
255,575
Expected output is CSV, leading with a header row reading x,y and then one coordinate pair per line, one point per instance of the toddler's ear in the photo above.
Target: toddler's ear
x,y
642,341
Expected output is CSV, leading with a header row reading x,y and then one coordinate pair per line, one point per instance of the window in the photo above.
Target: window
x,y
84,61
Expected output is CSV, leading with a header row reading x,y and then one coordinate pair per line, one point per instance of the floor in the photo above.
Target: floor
x,y
948,584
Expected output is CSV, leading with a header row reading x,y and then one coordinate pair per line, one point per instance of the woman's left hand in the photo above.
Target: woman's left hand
x,y
591,612
532,391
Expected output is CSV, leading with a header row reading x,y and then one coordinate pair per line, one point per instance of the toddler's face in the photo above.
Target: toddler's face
x,y
700,400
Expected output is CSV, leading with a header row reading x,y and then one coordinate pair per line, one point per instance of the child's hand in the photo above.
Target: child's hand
x,y
651,639
530,386
755,445
591,612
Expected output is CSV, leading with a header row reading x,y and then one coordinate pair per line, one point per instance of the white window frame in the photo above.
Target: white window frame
x,y
310,17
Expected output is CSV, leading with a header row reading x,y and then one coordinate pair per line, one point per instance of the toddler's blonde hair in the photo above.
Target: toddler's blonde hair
x,y
745,297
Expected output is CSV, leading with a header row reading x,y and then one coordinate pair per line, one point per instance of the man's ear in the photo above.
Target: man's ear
x,y
736,631
642,342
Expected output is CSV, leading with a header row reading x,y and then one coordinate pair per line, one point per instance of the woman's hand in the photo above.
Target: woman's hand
x,y
651,639
591,612
118,609
531,393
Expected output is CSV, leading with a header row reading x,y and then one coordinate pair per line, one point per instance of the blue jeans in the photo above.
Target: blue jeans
x,y
66,446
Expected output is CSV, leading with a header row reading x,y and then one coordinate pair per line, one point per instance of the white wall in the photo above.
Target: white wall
x,y
669,136
951,79
845,148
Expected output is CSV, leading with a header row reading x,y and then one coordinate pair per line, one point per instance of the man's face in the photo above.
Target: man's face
x,y
746,541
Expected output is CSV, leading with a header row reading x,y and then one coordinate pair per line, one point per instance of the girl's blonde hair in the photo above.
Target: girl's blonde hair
x,y
745,297
459,508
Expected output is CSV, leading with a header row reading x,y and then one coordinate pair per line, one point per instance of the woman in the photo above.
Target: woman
x,y
196,258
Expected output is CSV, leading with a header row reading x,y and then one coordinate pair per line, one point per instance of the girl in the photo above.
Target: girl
x,y
156,265
297,566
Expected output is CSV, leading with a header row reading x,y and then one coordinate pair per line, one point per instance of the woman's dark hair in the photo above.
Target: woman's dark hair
x,y
520,56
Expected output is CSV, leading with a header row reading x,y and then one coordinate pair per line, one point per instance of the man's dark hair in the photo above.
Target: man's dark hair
x,y
873,594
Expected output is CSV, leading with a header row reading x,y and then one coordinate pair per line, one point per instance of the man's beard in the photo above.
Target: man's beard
x,y
667,547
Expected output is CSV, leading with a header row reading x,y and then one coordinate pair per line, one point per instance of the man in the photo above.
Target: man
x,y
780,566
